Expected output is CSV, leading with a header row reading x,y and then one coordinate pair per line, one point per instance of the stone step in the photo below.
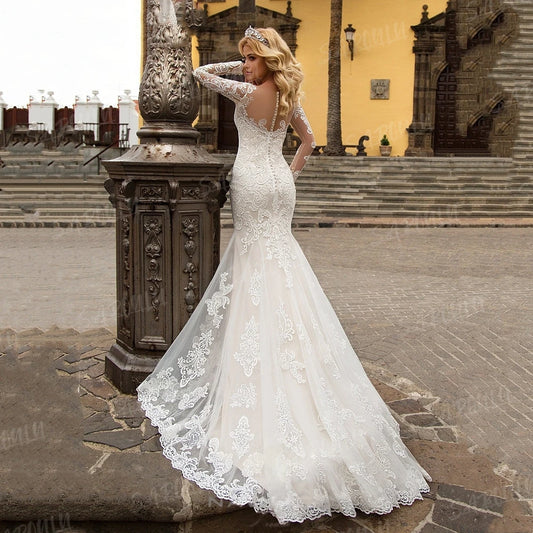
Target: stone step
x,y
416,203
420,187
52,180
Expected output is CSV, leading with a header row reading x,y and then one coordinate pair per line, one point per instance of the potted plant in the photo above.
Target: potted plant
x,y
384,146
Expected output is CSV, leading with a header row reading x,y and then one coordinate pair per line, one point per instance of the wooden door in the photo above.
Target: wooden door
x,y
445,137
228,138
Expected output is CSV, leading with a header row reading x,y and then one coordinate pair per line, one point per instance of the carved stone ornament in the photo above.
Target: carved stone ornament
x,y
153,249
191,193
379,89
151,192
168,91
190,227
125,316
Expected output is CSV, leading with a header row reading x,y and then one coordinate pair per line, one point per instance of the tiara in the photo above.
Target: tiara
x,y
252,32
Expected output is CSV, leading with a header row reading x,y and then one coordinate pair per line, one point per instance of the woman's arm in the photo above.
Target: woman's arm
x,y
209,76
303,129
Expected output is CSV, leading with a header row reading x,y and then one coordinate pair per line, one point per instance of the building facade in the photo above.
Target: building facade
x,y
420,74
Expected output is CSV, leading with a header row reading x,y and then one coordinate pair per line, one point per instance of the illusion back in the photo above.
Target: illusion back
x,y
262,190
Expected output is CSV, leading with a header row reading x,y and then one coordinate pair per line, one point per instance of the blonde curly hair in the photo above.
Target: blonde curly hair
x,y
278,57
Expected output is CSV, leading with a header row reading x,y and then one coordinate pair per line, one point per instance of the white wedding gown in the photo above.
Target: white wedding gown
x,y
261,397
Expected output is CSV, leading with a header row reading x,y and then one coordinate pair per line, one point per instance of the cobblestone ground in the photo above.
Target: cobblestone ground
x,y
449,309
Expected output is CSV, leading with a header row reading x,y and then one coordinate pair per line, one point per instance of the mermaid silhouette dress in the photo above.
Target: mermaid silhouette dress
x,y
261,397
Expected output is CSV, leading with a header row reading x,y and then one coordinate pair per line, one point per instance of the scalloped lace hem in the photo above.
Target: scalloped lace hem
x,y
244,495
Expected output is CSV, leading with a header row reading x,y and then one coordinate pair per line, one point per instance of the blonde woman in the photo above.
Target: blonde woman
x,y
261,398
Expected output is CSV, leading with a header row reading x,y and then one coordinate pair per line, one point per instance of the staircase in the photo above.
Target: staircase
x,y
53,188
50,189
353,187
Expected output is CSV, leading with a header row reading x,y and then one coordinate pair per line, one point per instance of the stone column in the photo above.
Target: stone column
x,y
167,194
421,129
429,34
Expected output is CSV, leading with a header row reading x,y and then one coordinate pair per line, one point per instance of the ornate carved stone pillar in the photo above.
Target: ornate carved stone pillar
x,y
429,35
421,129
208,117
167,195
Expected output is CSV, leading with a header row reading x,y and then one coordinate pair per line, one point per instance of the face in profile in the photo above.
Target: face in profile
x,y
255,69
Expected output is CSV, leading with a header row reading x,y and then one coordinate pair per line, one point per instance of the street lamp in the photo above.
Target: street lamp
x,y
350,32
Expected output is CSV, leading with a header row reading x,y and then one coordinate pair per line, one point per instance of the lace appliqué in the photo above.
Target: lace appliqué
x,y
334,417
288,362
189,400
193,364
163,386
245,396
242,436
209,76
222,462
289,434
248,347
256,287
286,327
299,113
195,437
287,358
218,300
253,464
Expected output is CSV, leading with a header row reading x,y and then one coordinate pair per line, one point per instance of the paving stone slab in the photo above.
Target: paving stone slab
x,y
133,422
122,439
92,353
461,518
388,393
75,367
94,403
73,355
97,370
127,407
423,420
99,422
446,434
99,387
407,406
152,445
149,430
458,466
432,528
472,498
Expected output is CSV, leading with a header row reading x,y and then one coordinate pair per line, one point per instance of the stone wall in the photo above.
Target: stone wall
x,y
458,108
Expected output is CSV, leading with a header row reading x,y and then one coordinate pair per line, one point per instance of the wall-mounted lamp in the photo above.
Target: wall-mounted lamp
x,y
350,32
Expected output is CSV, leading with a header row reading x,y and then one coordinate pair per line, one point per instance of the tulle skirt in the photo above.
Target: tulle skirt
x,y
262,399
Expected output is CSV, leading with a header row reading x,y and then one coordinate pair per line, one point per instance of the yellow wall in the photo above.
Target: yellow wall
x,y
383,49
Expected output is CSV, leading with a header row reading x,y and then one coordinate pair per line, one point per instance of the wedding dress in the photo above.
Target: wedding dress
x,y
261,397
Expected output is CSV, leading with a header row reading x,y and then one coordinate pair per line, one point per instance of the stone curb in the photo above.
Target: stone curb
x,y
420,221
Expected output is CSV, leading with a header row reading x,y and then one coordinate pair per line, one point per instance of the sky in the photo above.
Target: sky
x,y
70,47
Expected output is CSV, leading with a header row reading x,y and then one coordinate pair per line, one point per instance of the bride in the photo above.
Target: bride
x,y
261,398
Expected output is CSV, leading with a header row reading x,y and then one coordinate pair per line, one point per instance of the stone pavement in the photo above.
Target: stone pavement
x,y
75,451
440,318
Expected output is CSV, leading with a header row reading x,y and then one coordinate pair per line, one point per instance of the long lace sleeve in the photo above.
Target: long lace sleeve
x,y
209,76
303,129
